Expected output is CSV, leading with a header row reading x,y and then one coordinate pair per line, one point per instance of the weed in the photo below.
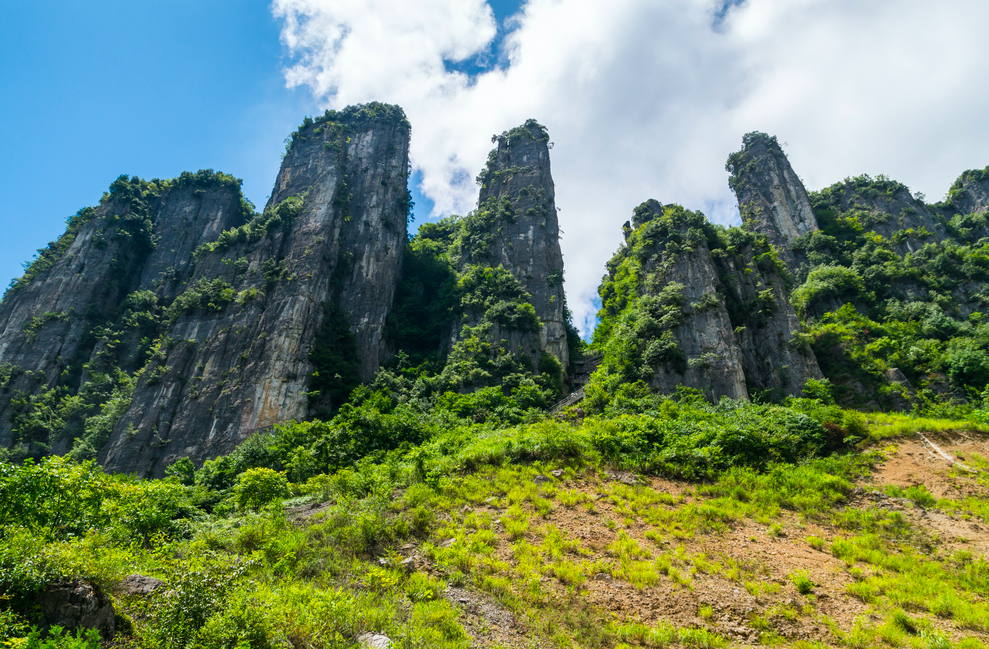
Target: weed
x,y
802,581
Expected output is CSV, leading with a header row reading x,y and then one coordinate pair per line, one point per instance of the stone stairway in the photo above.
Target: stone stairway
x,y
582,374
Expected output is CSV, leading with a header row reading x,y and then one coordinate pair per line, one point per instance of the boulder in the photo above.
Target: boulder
x,y
76,605
140,585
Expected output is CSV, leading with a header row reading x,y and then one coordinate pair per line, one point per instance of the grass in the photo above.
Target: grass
x,y
802,581
891,425
553,553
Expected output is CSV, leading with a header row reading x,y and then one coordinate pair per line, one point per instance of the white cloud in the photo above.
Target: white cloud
x,y
646,98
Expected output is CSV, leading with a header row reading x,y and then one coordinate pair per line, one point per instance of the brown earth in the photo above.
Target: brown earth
x,y
763,554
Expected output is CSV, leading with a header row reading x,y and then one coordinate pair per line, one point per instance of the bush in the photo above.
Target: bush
x,y
59,638
258,487
820,390
802,581
828,283
968,364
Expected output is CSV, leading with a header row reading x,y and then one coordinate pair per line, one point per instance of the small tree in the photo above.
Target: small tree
x,y
182,470
258,487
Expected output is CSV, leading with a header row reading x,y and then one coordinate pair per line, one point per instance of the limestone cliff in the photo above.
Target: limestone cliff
x,y
517,189
771,197
776,360
686,303
340,202
970,193
198,319
70,321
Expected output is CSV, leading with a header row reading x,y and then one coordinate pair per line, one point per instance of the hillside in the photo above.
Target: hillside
x,y
301,427
623,531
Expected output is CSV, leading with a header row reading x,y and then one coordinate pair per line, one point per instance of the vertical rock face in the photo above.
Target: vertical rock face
x,y
705,337
662,320
771,198
356,176
970,193
517,185
180,321
340,210
55,321
685,303
766,325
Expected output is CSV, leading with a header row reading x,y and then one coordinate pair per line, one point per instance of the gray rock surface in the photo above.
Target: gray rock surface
x,y
970,193
76,605
771,197
374,641
236,357
712,313
528,243
46,325
714,360
140,585
766,327
228,373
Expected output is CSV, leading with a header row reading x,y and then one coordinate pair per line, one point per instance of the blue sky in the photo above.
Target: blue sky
x,y
91,90
643,98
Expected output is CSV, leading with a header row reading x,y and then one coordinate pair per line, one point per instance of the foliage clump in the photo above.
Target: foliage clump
x,y
909,302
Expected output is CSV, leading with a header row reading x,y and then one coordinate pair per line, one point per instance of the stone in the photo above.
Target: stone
x,y
374,641
76,605
970,195
140,585
528,243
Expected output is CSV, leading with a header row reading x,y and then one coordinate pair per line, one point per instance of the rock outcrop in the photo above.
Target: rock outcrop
x,y
517,190
775,359
771,197
58,323
887,208
970,193
681,274
76,605
687,304
339,210
202,321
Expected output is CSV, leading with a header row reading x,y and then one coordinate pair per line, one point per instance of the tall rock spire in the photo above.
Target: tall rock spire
x,y
184,321
317,270
528,243
771,198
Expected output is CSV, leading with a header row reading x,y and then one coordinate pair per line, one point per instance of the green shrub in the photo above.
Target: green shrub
x,y
12,625
59,638
828,283
968,364
204,295
802,581
258,487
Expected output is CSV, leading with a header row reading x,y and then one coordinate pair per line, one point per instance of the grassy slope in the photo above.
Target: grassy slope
x,y
531,536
